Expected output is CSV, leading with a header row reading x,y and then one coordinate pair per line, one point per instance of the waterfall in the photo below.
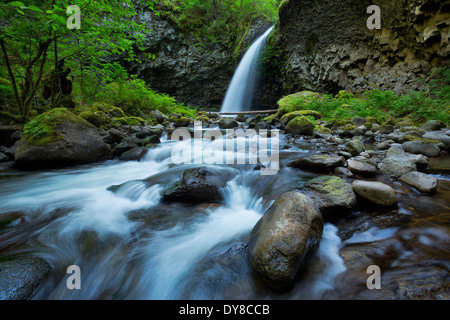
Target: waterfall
x,y
240,91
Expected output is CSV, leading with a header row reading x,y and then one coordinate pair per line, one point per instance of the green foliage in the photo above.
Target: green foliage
x,y
377,104
136,98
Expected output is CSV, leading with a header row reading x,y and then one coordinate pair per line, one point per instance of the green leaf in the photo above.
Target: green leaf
x,y
21,12
56,8
34,8
16,4
49,11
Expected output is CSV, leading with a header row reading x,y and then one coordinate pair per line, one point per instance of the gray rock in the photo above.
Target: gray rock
x,y
420,147
3,157
376,192
319,162
354,146
358,121
433,125
20,277
117,135
284,239
421,181
386,129
343,172
361,167
439,136
134,154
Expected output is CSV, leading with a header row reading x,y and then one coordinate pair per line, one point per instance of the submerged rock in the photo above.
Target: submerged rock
x,y
376,192
284,239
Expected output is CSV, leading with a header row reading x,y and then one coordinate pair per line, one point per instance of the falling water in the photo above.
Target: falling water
x,y
240,91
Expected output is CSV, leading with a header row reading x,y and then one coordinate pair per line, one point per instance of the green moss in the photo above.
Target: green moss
x,y
296,102
322,129
300,125
43,129
291,115
94,118
131,121
341,123
414,138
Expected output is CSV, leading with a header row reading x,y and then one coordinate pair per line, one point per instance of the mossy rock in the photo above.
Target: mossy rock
x,y
43,128
300,125
341,122
131,121
295,102
322,129
182,122
291,115
107,108
409,137
271,119
92,117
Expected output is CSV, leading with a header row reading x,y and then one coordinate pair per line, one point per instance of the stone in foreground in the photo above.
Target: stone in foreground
x,y
376,192
284,239
421,181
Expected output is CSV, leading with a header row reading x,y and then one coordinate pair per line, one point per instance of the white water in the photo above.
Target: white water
x,y
240,91
125,258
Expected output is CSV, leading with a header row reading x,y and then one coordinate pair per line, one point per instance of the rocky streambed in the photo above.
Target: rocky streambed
x,y
347,196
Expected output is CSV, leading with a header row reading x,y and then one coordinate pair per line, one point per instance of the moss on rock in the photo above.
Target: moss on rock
x,y
300,125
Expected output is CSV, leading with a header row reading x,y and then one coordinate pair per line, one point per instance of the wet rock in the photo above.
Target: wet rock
x,y
134,154
420,147
331,194
3,157
240,118
228,123
284,239
124,146
20,277
376,192
419,160
198,185
386,129
300,125
383,145
354,146
361,167
421,181
319,162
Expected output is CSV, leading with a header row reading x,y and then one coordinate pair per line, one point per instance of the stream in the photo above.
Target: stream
x,y
131,245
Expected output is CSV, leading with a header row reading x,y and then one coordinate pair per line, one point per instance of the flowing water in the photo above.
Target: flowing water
x,y
108,219
130,245
240,91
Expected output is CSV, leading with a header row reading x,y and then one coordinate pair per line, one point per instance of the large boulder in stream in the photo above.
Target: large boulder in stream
x,y
59,138
284,239
198,185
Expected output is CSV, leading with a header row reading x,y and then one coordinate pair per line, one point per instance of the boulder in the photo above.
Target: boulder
x,y
59,138
319,162
376,192
396,163
284,239
300,125
421,181
433,125
331,194
19,277
421,147
354,146
358,121
134,154
198,185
